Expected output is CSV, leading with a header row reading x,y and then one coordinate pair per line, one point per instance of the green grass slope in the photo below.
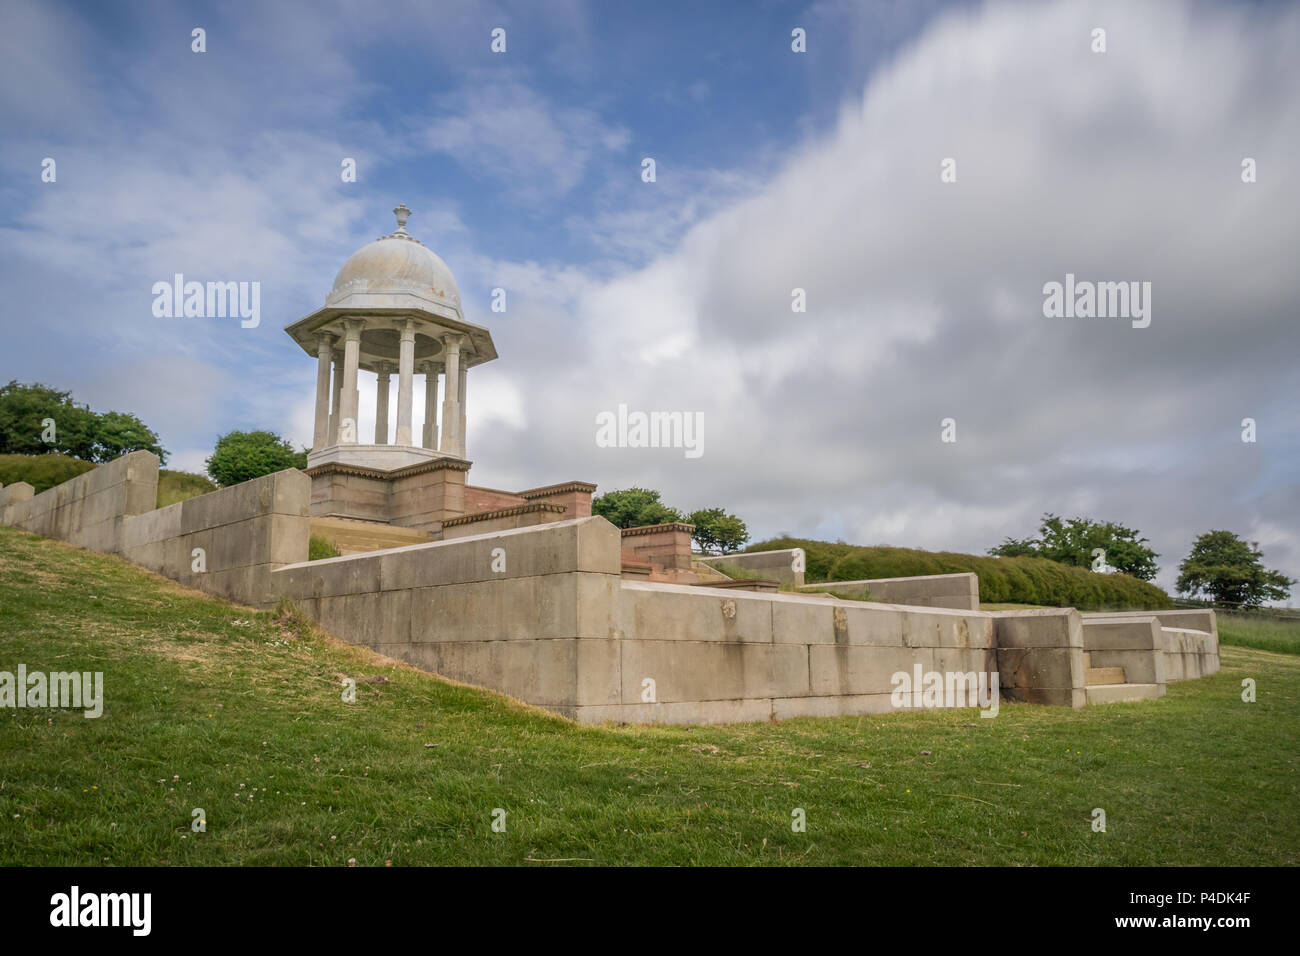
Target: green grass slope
x,y
239,713
43,472
174,486
1035,581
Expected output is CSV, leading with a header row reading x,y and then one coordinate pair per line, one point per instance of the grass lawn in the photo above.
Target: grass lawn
x,y
213,706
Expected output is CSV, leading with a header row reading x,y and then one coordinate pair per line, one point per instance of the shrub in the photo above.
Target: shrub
x,y
243,456
319,547
1014,580
42,472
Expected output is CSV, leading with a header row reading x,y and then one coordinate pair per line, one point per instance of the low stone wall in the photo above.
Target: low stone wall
x,y
13,495
724,655
490,499
1133,642
1187,642
88,510
1040,656
527,612
574,496
666,547
775,565
959,591
542,613
525,515
244,532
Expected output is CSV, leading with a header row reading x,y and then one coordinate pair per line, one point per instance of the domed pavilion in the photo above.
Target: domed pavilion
x,y
394,308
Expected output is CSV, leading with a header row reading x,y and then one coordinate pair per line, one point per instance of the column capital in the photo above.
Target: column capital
x,y
324,342
353,328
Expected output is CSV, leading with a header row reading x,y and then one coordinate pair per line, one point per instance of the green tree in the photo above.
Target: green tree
x,y
243,456
1073,541
24,411
717,532
633,507
1231,572
117,433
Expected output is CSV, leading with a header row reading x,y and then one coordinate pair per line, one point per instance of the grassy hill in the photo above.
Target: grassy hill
x,y
1024,580
239,713
43,472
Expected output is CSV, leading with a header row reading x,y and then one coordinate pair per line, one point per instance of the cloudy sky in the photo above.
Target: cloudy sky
x,y
775,170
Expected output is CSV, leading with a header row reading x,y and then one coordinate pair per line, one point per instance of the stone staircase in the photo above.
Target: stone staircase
x,y
354,536
1107,685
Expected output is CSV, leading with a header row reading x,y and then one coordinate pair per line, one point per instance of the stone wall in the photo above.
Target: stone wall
x,y
543,613
534,620
526,515
665,547
490,499
1134,642
724,655
574,496
89,510
13,495
775,565
957,591
1188,641
1040,656
245,532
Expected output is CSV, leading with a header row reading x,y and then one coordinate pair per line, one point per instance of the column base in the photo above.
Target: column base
x,y
379,457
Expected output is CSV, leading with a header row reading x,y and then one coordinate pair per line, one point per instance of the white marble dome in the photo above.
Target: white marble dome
x,y
396,264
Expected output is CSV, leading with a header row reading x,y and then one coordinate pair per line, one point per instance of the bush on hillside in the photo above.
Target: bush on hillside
x,y
1018,580
243,456
42,472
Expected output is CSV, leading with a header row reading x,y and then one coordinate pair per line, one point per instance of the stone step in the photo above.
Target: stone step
x,y
351,536
1116,693
1103,675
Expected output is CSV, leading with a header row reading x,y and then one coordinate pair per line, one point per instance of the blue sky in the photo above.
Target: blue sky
x,y
775,170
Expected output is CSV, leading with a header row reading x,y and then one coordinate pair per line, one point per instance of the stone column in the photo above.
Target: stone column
x,y
351,360
460,389
430,436
338,397
405,371
381,406
324,351
451,397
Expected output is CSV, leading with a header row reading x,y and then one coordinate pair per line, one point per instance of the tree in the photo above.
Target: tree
x,y
117,433
72,429
633,507
1230,571
717,532
1074,541
243,456
24,412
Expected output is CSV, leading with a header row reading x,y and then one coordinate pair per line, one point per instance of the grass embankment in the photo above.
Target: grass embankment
x,y
213,706
43,472
1022,580
1261,630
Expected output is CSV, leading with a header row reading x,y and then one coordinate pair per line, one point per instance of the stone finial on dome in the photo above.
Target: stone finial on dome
x,y
402,214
